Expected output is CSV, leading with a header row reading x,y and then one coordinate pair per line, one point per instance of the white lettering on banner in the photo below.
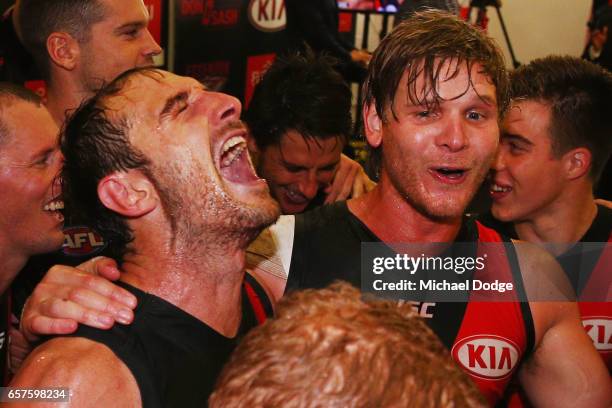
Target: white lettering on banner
x,y
267,15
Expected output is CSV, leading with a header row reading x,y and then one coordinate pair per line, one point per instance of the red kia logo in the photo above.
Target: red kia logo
x,y
486,356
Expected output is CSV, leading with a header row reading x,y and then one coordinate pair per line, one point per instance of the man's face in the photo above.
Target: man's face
x,y
200,162
296,169
526,176
436,158
29,190
119,42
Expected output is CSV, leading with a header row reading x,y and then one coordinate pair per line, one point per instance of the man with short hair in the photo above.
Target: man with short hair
x,y
554,146
180,202
30,193
79,45
326,336
300,121
435,92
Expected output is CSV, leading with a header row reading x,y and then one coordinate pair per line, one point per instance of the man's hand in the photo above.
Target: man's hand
x,y
67,296
350,181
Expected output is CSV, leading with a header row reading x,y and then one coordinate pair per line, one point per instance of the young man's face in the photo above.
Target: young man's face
x,y
436,158
30,192
526,175
199,159
119,42
296,169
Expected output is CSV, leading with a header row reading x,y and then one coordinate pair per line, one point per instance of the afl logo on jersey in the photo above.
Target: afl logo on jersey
x,y
599,330
82,241
486,356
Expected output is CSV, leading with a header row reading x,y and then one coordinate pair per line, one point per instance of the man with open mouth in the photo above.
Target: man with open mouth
x,y
554,146
158,164
434,96
30,162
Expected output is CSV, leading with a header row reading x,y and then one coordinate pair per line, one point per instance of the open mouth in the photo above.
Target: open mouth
x,y
449,175
235,164
498,191
55,207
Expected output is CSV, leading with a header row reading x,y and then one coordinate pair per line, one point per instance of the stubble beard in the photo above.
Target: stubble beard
x,y
204,217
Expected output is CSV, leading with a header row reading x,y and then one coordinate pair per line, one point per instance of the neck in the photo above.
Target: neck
x,y
565,220
63,97
11,263
206,284
393,219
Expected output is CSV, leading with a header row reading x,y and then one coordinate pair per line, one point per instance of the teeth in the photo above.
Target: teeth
x,y
236,140
499,189
54,206
231,152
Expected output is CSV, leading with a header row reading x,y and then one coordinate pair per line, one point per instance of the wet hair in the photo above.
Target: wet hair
x,y
331,348
95,144
9,94
579,94
37,19
300,92
421,46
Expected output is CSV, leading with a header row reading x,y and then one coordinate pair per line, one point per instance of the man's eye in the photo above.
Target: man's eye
x,y
473,115
423,114
132,33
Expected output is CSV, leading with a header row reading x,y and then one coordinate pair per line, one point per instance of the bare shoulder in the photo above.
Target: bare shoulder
x,y
92,372
544,278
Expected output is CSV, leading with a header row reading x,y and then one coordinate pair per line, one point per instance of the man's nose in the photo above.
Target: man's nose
x,y
309,186
151,48
225,108
453,136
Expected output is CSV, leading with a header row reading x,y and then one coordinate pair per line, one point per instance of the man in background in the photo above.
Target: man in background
x,y
555,143
300,120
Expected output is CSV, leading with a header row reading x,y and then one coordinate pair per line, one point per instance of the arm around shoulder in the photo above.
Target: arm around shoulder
x,y
94,375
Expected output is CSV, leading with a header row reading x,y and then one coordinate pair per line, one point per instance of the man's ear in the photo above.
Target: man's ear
x,y
372,124
63,49
130,194
577,162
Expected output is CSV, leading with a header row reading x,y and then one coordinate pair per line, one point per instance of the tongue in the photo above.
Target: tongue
x,y
240,170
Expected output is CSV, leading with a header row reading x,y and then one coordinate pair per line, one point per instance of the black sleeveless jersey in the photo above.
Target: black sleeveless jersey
x,y
174,357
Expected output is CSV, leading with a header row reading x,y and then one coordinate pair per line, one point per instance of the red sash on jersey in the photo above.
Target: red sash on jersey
x,y
492,338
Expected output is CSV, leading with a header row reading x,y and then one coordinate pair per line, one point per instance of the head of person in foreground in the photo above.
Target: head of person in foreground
x,y
331,347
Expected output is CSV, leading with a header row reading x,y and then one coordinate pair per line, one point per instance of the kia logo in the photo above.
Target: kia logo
x,y
599,330
486,356
267,15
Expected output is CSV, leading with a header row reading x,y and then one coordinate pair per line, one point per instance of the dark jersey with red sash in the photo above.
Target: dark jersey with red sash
x,y
174,357
588,266
487,339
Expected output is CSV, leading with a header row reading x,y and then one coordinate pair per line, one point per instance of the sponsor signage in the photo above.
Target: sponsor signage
x,y
267,15
82,241
486,356
599,330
